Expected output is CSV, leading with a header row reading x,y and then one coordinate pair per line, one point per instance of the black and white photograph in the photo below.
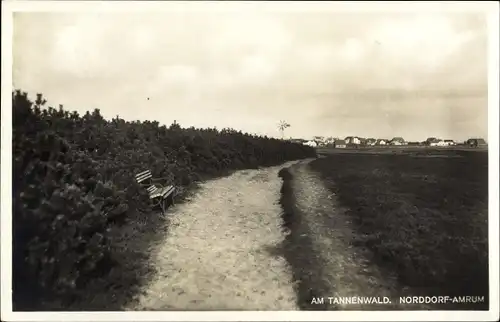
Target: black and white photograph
x,y
249,161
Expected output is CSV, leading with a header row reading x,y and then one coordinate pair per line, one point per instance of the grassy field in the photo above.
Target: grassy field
x,y
422,214
391,149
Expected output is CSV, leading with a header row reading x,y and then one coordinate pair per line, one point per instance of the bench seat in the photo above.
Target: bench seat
x,y
157,192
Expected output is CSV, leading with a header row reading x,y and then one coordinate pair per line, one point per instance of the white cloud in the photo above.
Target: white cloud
x,y
143,39
180,81
422,41
317,57
76,51
248,33
177,74
253,49
257,69
352,51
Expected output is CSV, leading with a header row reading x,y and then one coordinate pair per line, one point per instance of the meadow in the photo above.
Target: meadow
x,y
421,213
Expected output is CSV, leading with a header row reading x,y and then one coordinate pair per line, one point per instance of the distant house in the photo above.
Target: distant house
x,y
318,138
397,141
449,142
438,142
340,144
330,140
311,143
371,141
432,141
352,140
476,143
381,142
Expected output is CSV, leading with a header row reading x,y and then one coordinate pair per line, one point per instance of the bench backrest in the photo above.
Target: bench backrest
x,y
145,175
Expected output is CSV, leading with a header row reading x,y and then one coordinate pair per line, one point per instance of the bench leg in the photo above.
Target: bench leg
x,y
162,205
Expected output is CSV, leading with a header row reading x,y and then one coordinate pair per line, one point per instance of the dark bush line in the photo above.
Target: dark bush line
x,y
298,250
423,218
73,184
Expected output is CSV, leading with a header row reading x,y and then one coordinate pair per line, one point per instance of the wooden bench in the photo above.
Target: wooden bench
x,y
161,194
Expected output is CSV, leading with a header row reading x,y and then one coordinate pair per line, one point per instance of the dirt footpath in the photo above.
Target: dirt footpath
x,y
220,249
322,237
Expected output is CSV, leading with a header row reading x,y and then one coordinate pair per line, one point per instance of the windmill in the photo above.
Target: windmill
x,y
282,126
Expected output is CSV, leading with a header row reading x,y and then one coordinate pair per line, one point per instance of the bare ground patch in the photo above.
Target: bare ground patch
x,y
221,249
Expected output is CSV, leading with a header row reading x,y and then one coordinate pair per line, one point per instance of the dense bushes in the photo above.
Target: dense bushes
x,y
73,178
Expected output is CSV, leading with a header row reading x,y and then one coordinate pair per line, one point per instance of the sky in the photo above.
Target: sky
x,y
381,75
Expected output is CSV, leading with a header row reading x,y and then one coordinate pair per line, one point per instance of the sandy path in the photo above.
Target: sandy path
x,y
346,272
217,254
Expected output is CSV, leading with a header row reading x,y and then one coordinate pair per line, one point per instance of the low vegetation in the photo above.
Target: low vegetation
x,y
74,195
423,215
